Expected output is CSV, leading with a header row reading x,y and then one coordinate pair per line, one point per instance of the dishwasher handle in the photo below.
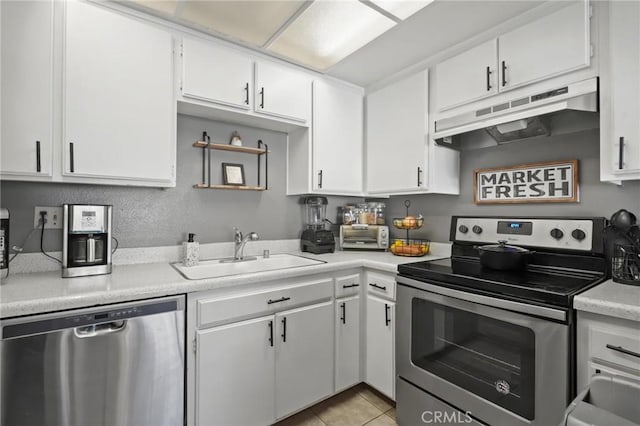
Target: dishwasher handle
x,y
96,330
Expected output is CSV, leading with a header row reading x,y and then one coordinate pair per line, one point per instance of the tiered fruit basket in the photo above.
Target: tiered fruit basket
x,y
409,246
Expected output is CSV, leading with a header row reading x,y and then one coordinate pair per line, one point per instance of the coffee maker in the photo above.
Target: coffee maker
x,y
86,243
315,238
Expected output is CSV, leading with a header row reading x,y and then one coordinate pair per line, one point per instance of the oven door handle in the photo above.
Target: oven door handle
x,y
520,307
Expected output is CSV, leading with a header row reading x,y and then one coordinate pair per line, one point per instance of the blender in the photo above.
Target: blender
x,y
315,238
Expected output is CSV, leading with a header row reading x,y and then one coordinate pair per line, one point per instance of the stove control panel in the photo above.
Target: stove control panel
x,y
551,233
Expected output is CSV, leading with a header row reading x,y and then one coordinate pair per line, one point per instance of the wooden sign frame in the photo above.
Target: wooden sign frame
x,y
526,183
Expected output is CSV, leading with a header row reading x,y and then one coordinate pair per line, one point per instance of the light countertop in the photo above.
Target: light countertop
x,y
611,299
33,293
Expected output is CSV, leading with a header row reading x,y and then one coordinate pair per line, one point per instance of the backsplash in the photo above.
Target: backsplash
x,y
150,217
596,198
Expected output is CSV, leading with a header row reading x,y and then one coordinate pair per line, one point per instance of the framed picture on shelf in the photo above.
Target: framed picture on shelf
x,y
233,174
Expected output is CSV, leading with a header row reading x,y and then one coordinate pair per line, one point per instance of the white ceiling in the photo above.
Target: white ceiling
x,y
441,25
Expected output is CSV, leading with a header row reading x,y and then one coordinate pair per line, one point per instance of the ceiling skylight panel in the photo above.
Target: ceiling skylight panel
x,y
250,21
329,30
401,8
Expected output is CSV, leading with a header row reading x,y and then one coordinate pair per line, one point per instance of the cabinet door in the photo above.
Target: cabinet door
x,y
234,374
380,360
282,92
304,357
624,42
468,76
347,342
216,74
547,47
118,101
337,139
396,137
27,70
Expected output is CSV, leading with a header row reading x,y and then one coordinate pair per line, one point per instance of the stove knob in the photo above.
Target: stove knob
x,y
476,229
578,234
556,233
463,229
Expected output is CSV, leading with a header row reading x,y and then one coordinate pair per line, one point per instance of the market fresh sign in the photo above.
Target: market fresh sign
x,y
551,182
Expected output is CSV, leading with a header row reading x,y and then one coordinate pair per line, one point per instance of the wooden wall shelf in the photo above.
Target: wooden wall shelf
x,y
223,147
240,187
206,147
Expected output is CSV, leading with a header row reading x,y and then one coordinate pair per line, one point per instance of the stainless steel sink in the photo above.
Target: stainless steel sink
x,y
216,268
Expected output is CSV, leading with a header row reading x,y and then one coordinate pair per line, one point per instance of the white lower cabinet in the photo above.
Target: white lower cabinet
x,y
380,356
304,357
262,354
235,374
347,333
606,345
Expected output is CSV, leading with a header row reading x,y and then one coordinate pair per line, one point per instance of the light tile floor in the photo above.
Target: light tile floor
x,y
360,405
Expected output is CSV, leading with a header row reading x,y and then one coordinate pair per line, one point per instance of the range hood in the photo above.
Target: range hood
x,y
521,117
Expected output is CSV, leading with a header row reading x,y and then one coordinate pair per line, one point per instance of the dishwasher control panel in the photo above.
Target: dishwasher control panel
x,y
85,317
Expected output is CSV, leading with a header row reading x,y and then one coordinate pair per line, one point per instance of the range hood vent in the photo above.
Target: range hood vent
x,y
521,117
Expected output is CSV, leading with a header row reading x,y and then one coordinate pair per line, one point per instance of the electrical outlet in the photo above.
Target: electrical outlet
x,y
54,217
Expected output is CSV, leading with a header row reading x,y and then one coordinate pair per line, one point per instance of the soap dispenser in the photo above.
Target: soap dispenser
x,y
190,251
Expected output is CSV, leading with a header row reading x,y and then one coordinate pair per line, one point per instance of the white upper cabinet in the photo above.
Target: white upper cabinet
x,y
337,138
547,47
216,74
119,111
620,94
282,92
555,44
27,72
468,76
396,136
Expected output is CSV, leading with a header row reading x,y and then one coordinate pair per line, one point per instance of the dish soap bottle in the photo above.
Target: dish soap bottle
x,y
190,251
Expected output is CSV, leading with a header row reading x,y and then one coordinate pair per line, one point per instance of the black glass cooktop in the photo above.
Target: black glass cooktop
x,y
542,283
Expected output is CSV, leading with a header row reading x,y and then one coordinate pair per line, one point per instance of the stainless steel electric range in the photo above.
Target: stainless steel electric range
x,y
482,346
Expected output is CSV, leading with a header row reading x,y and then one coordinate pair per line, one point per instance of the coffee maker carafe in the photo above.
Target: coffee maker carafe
x,y
86,244
315,238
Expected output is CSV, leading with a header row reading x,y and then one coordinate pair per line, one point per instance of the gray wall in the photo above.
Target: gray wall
x,y
145,217
596,198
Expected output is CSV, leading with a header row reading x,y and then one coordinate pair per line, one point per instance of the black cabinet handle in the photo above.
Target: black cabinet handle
x,y
320,179
282,299
623,350
343,318
38,166
621,154
419,176
380,287
351,285
71,162
271,333
262,97
284,329
387,317
488,78
504,74
246,93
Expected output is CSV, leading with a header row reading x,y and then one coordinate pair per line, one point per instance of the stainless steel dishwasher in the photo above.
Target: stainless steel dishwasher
x,y
109,365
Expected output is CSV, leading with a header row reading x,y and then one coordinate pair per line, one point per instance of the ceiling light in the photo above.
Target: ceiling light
x,y
251,21
401,8
327,31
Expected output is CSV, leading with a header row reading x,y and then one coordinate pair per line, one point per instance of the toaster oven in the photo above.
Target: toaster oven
x,y
364,237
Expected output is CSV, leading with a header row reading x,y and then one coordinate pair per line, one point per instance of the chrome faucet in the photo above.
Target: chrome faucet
x,y
240,242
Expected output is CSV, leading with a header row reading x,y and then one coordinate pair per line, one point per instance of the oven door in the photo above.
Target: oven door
x,y
499,366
